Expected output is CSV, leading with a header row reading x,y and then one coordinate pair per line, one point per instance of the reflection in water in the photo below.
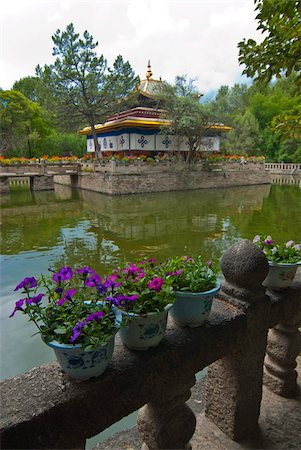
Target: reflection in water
x,y
82,227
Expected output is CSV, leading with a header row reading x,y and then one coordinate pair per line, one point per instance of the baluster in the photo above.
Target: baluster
x,y
280,362
234,384
168,422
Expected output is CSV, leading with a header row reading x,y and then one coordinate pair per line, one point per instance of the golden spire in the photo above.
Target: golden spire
x,y
149,72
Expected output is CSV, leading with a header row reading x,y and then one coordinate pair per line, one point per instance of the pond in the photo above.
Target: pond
x,y
86,228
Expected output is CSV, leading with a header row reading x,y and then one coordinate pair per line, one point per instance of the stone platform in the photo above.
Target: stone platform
x,y
279,426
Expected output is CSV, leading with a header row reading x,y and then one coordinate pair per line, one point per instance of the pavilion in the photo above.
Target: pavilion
x,y
139,130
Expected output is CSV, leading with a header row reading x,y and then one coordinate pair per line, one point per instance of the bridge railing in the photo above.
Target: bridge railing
x,y
45,409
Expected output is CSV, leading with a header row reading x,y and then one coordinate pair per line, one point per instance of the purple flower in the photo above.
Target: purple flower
x,y
67,296
209,263
175,273
18,306
27,283
94,316
93,281
77,331
35,299
121,299
65,273
297,247
289,244
268,241
256,238
152,260
110,283
155,284
59,290
85,270
132,270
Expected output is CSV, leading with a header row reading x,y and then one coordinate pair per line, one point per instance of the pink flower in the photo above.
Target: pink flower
x,y
155,284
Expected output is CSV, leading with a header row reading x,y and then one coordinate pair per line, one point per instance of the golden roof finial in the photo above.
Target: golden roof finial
x,y
149,72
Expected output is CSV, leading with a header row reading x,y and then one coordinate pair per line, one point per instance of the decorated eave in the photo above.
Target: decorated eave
x,y
139,118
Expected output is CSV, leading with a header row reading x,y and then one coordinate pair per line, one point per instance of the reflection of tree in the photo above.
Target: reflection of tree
x,y
33,220
279,216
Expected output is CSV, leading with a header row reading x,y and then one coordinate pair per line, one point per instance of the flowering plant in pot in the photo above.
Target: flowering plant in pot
x,y
194,284
283,259
72,313
145,296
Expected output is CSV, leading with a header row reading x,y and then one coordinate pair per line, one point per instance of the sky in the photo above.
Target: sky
x,y
194,37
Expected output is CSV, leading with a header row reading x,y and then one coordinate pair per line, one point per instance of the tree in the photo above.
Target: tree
x,y
22,122
28,87
85,88
280,51
189,118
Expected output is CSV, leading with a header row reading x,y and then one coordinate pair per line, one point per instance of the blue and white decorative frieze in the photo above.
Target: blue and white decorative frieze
x,y
165,142
142,142
210,144
123,142
90,145
183,144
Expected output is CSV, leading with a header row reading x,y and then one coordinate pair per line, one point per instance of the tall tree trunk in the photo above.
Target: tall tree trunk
x,y
96,143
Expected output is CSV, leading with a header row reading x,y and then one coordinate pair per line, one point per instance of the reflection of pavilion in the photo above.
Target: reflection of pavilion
x,y
137,130
146,218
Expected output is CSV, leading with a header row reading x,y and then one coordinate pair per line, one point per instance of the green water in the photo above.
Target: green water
x,y
86,228
81,227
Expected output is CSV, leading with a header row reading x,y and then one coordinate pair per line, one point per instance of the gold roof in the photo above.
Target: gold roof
x,y
149,86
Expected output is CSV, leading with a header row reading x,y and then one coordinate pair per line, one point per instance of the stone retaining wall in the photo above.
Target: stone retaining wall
x,y
116,184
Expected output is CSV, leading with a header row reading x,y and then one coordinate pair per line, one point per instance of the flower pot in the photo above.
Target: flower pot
x,y
280,276
81,364
144,332
192,308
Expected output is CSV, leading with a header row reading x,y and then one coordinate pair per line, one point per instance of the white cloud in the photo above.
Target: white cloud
x,y
197,37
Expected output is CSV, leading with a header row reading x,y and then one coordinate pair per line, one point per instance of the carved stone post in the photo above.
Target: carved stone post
x,y
234,385
168,422
280,361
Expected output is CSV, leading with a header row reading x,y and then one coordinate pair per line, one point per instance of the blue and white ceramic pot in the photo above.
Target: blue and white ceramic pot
x,y
81,364
280,276
144,332
191,309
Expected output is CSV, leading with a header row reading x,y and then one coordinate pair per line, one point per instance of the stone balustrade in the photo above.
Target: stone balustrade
x,y
251,336
284,168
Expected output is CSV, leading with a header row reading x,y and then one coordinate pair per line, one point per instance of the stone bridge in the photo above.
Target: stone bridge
x,y
251,338
40,175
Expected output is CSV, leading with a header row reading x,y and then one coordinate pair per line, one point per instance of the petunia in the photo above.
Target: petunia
x,y
85,270
27,283
93,281
121,299
35,299
256,238
67,296
65,273
268,241
76,332
289,244
94,316
18,306
156,284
